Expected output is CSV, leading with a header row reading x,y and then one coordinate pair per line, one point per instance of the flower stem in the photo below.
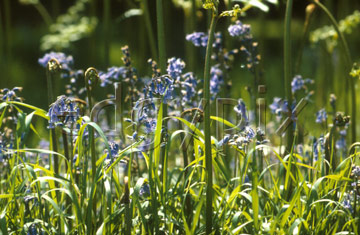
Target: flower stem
x,y
349,64
287,67
91,77
52,66
161,35
208,155
149,29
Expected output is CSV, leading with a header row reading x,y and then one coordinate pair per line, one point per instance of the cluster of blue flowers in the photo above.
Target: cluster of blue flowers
x,y
321,116
216,80
144,191
175,68
165,85
188,88
199,39
279,106
145,115
3,149
319,147
299,83
243,138
65,61
112,75
246,133
249,48
240,30
347,203
240,110
341,142
10,95
114,149
75,86
162,86
63,111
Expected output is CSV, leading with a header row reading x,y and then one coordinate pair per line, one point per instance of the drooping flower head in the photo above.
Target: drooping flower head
x,y
10,95
112,75
63,111
240,109
321,116
188,87
299,83
216,80
199,39
175,68
240,30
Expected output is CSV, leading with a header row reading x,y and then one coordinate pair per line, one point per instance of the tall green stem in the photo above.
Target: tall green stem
x,y
349,64
161,35
52,67
288,68
162,62
91,77
149,28
208,157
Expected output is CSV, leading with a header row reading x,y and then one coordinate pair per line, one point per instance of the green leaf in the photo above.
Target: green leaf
x,y
157,140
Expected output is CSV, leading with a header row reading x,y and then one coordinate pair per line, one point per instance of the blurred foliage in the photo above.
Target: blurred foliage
x,y
69,28
29,2
258,3
328,33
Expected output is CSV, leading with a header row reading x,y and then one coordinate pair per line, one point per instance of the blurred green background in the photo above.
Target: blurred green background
x,y
22,29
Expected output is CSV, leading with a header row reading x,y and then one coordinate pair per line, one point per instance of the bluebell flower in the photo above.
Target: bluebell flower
x,y
356,172
319,147
63,111
188,87
247,179
298,83
114,149
32,230
144,190
240,30
65,61
261,138
199,39
10,95
224,140
276,106
249,133
347,204
163,86
240,109
150,125
75,158
217,40
112,75
216,80
175,68
321,116
3,155
341,143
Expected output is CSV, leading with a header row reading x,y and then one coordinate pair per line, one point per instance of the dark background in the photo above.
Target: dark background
x,y
19,66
